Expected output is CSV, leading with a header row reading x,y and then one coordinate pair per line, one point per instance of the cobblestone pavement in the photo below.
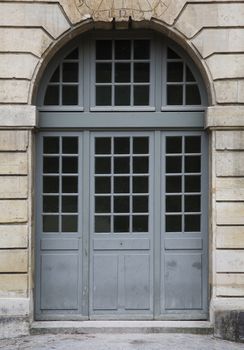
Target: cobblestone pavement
x,y
119,342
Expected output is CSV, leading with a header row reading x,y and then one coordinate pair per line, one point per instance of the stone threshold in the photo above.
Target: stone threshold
x,y
89,327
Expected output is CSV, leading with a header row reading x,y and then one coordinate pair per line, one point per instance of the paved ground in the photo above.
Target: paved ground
x,y
119,342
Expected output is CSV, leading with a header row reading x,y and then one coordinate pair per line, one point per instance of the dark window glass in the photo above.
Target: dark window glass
x,y
122,95
102,185
52,95
103,49
175,72
73,55
121,224
192,223
102,224
192,164
192,95
172,54
141,95
56,76
103,95
103,165
140,145
173,184
141,49
70,72
122,72
121,204
70,145
141,72
140,204
50,204
103,72
121,165
69,223
189,75
173,223
122,49
175,95
70,165
103,145
193,144
50,165
70,95
173,204
121,184
69,184
173,144
173,164
50,223
192,183
140,165
140,184
192,203
51,145
69,204
50,184
121,145
102,205
140,223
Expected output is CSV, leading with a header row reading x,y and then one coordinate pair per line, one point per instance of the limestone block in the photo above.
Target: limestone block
x,y
13,163
13,140
18,115
230,237
214,40
231,213
13,236
14,260
196,16
14,91
13,187
21,40
20,66
226,91
15,307
224,66
230,189
230,163
230,261
230,140
13,285
48,16
230,284
224,116
13,211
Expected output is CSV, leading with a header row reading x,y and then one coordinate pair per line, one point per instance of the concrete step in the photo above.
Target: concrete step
x,y
89,327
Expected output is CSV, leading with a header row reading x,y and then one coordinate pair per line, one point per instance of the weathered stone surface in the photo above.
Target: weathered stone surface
x,y
13,163
230,237
230,284
13,211
227,325
230,213
14,91
197,16
13,260
48,16
13,140
230,163
230,189
230,261
13,236
13,285
21,40
13,187
14,307
214,40
11,327
225,116
229,91
230,140
218,64
20,66
18,115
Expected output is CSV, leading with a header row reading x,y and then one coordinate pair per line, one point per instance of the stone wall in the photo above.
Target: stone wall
x,y
211,31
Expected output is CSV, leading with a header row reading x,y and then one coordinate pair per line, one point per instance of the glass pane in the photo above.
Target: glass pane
x,y
122,72
140,165
102,165
103,145
173,164
140,145
121,165
172,54
175,72
140,184
122,49
103,49
121,184
192,183
70,72
70,95
173,223
121,204
73,55
140,204
141,95
189,75
173,184
175,95
103,95
193,203
50,184
50,223
102,205
50,204
70,184
121,224
70,145
193,144
173,144
122,95
69,204
102,185
69,223
173,204
192,95
192,164
56,76
103,72
52,96
70,165
141,72
102,224
50,164
51,145
192,223
141,49
121,145
140,223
